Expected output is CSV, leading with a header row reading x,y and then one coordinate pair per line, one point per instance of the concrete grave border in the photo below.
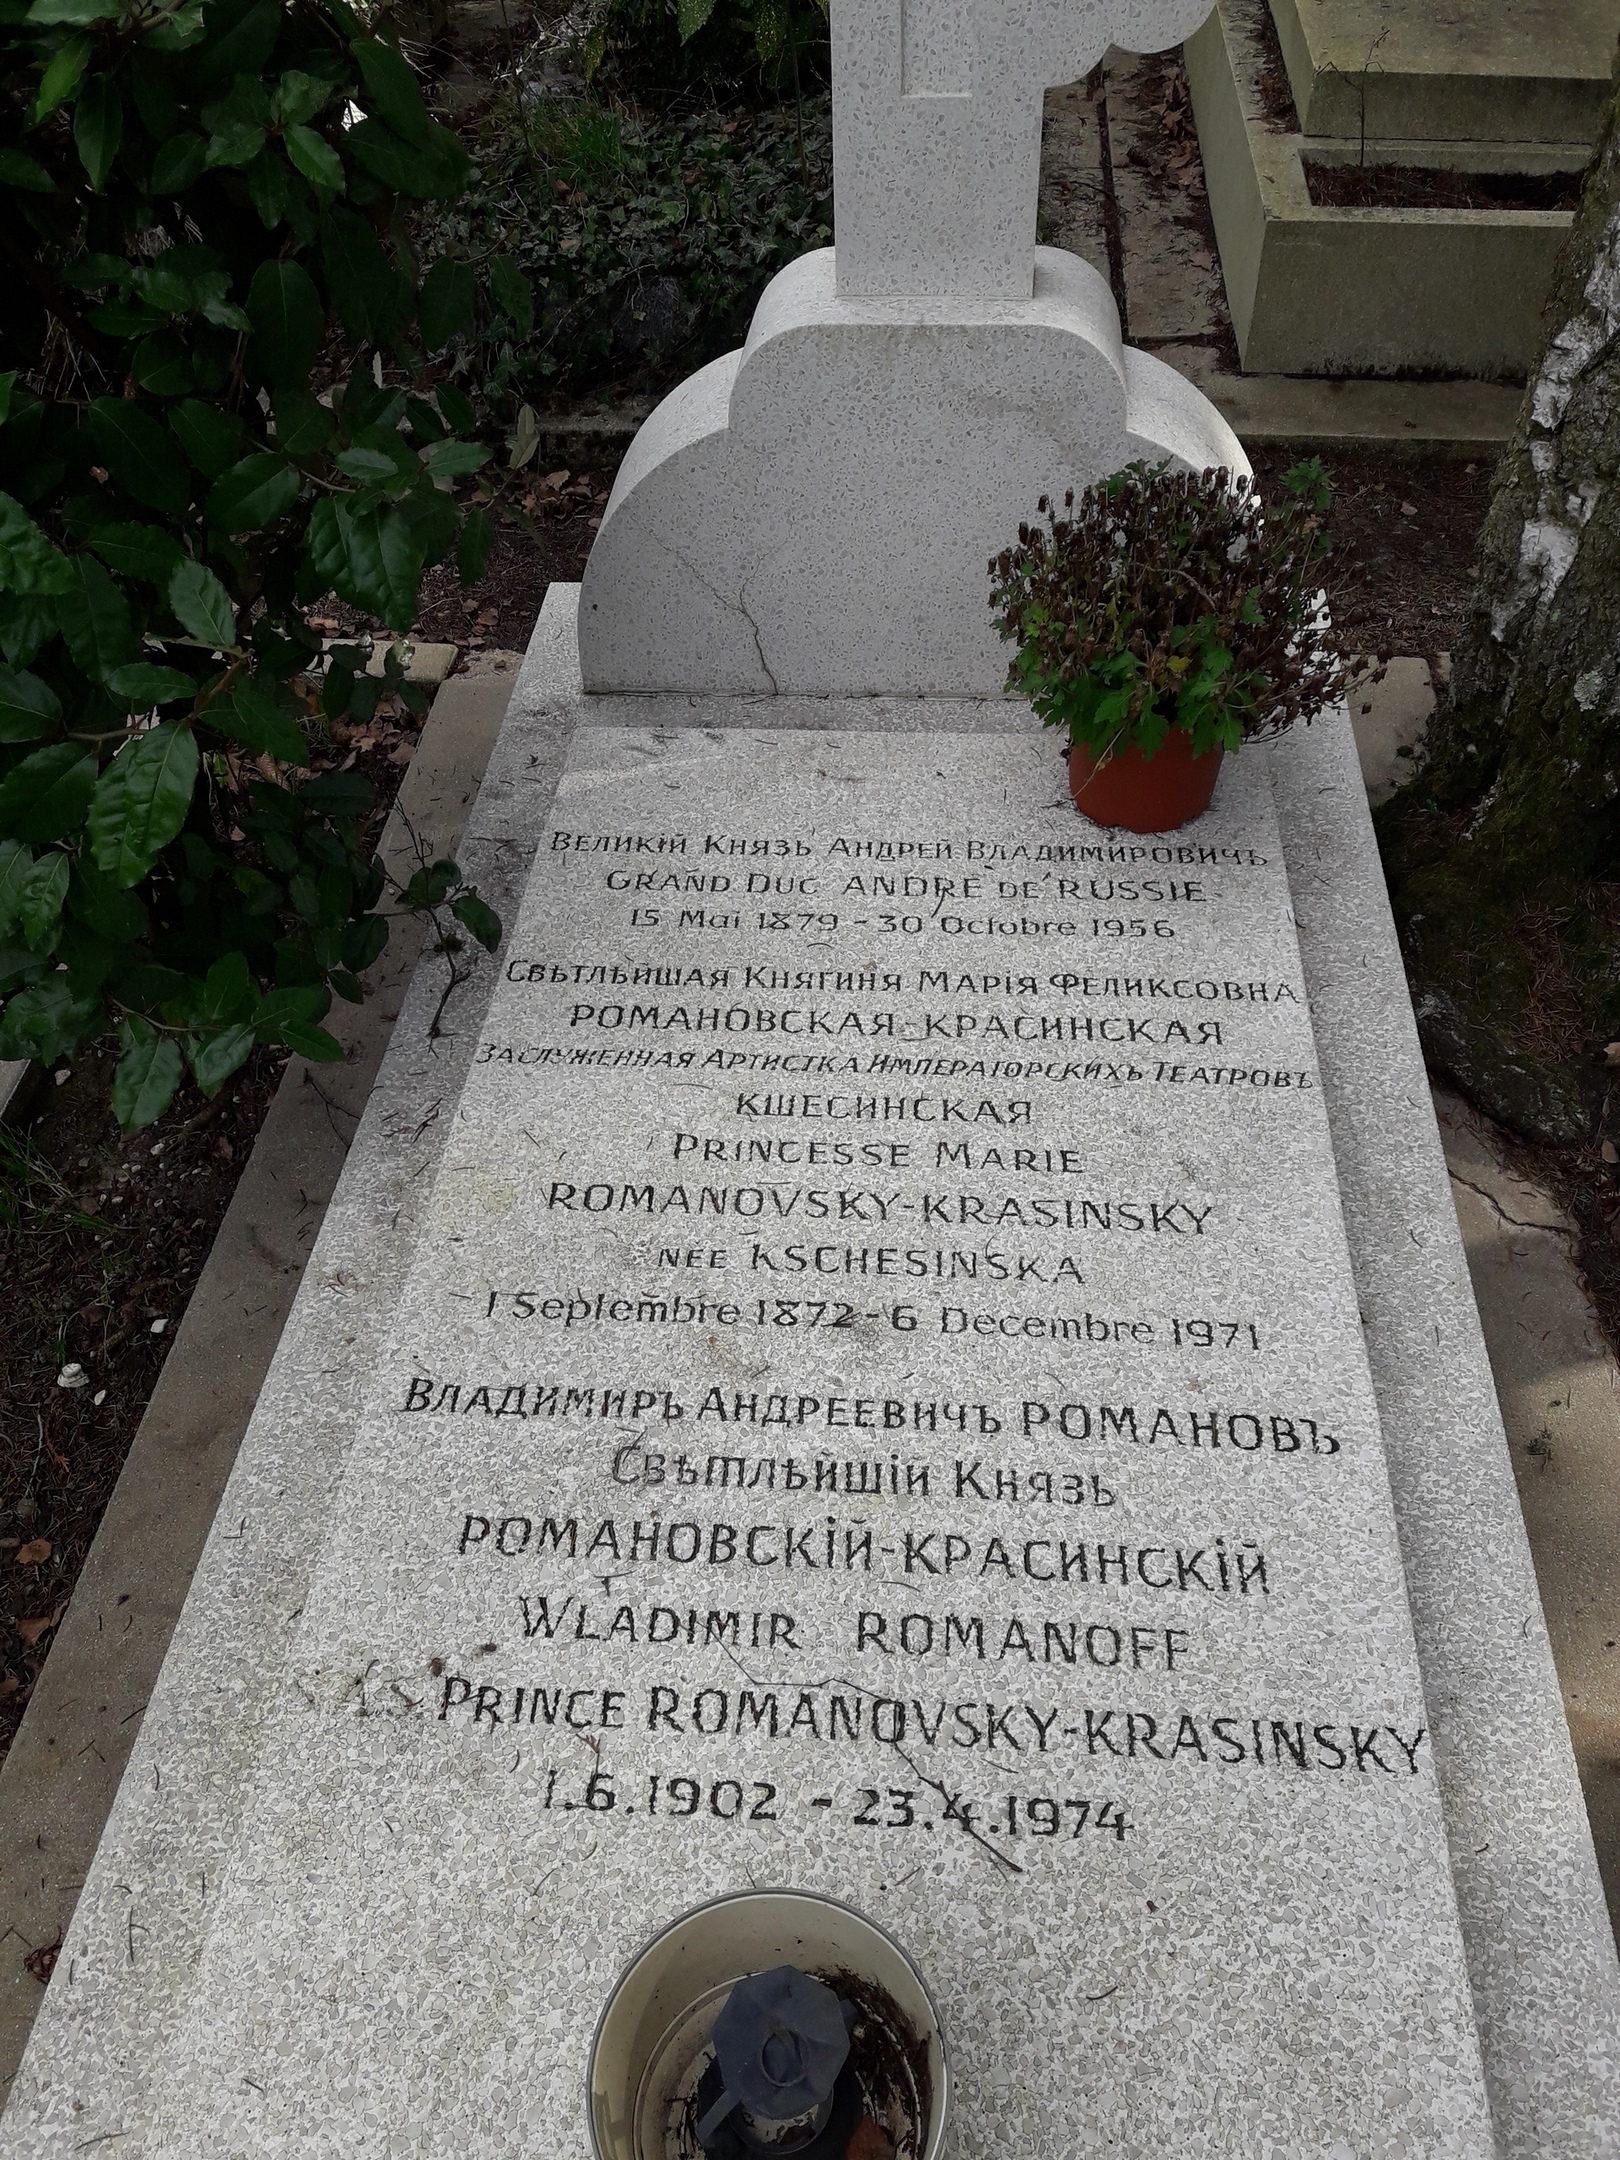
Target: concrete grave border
x,y
1542,1960
1323,291
1487,108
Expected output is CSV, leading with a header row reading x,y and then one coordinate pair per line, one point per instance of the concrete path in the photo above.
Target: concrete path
x,y
1559,1386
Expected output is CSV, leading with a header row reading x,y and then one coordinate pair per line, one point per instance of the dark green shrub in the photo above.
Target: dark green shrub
x,y
644,241
1168,599
656,46
216,409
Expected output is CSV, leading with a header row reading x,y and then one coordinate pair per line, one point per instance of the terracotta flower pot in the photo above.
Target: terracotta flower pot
x,y
1145,794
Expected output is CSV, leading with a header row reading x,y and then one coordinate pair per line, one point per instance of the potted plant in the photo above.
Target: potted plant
x,y
1164,619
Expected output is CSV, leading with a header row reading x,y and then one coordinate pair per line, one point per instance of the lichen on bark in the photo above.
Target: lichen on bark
x,y
1503,851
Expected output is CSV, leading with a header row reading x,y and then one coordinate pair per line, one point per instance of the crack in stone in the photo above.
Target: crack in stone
x,y
1512,1221
759,645
737,606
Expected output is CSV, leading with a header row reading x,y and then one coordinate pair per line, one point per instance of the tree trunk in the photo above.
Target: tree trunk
x,y
1504,850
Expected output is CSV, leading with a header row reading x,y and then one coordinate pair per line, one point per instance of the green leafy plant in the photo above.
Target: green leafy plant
x,y
654,44
642,242
1164,599
217,407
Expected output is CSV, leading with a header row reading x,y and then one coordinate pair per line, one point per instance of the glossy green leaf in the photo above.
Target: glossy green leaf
x,y
139,551
49,1021
202,606
223,313
94,272
431,514
146,686
691,15
152,83
27,623
161,363
473,546
98,127
457,409
181,279
48,793
74,12
40,898
246,99
422,417
244,48
141,801
183,29
360,462
479,918
304,425
512,292
180,161
364,941
61,77
358,274
264,722
28,562
98,903
288,320
316,159
210,438
369,557
267,182
237,143
252,493
278,1009
96,621
15,863
392,91
454,460
124,319
147,1075
439,169
138,454
28,707
214,1060
338,795
19,170
229,993
298,97
312,1043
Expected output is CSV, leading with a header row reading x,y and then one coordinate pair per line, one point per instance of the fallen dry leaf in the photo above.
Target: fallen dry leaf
x,y
35,1553
32,1630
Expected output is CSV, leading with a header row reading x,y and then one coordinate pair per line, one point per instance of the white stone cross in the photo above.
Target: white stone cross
x,y
937,131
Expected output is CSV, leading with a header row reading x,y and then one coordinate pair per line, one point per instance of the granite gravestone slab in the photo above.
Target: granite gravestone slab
x,y
879,1407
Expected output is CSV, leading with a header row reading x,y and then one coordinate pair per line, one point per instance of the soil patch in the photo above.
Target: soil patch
x,y
1401,542
1430,187
102,1238
1277,107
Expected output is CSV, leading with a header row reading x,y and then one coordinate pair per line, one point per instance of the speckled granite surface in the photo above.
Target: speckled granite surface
x,y
404,1914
